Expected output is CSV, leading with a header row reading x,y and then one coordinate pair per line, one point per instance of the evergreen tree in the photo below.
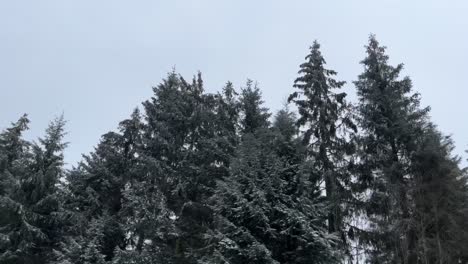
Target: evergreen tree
x,y
14,160
260,220
206,178
31,207
189,138
440,193
391,120
326,119
254,115
180,126
227,116
96,188
288,143
12,146
268,209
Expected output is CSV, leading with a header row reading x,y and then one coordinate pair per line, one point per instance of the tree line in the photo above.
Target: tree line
x,y
197,177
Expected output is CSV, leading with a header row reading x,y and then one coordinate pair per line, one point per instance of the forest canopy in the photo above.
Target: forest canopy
x,y
197,177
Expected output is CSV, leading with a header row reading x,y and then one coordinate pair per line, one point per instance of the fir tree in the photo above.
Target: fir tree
x,y
96,188
201,177
391,120
254,115
31,219
189,139
227,114
260,220
440,193
326,119
12,145
14,160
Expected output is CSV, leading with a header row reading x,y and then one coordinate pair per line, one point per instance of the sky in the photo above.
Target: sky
x,y
95,61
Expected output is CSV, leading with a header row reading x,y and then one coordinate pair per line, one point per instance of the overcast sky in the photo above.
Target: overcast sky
x,y
97,60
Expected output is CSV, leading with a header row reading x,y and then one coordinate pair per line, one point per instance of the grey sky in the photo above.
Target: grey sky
x,y
97,60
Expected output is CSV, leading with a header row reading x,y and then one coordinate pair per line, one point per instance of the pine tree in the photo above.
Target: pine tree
x,y
391,119
269,209
259,219
189,138
179,121
12,145
254,115
326,119
14,161
440,193
31,219
96,188
288,146
227,116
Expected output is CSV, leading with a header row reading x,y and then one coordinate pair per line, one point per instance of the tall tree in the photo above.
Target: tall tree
x,y
264,213
31,207
14,161
95,191
189,138
326,119
440,200
391,120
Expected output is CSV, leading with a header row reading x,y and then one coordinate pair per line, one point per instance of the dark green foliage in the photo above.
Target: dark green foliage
x,y
84,248
30,221
187,149
263,202
254,115
14,159
13,147
96,191
226,111
392,120
288,145
181,134
206,178
440,201
326,119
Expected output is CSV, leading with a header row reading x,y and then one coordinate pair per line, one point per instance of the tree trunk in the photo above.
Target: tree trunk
x,y
439,245
331,200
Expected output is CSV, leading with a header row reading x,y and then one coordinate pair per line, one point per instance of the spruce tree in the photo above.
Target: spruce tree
x,y
31,207
189,138
235,243
254,115
12,145
288,142
201,177
227,117
440,194
14,161
391,120
325,117
96,189
269,209
262,218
